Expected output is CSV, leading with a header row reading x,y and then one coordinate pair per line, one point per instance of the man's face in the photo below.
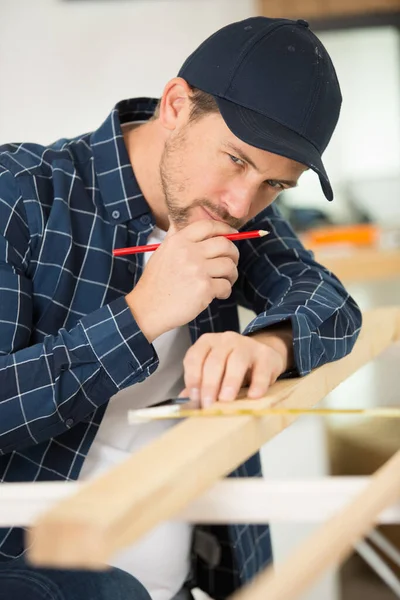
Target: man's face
x,y
207,172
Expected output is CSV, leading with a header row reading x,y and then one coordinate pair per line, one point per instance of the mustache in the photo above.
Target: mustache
x,y
218,211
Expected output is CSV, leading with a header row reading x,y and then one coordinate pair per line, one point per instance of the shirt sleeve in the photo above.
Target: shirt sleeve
x,y
47,387
280,280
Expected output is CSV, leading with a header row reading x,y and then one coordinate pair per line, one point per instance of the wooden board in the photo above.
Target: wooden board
x,y
155,484
325,9
232,500
331,542
361,264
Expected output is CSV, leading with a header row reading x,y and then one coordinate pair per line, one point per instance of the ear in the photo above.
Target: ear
x,y
175,103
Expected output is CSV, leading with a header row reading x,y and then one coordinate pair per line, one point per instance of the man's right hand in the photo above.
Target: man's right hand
x,y
190,268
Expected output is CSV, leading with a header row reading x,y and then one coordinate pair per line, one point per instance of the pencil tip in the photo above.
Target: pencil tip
x,y
262,232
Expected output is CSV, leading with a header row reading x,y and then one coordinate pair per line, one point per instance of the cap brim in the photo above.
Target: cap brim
x,y
264,133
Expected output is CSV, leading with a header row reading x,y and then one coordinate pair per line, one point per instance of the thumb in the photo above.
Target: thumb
x,y
192,404
172,229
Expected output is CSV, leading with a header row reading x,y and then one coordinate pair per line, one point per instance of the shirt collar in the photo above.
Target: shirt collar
x,y
118,186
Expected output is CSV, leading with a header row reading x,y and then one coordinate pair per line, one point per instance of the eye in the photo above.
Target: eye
x,y
236,160
276,185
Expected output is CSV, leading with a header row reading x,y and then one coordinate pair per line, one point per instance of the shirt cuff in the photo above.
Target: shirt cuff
x,y
305,346
119,344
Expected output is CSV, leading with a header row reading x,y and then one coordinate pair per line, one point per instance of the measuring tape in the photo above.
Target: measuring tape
x,y
177,412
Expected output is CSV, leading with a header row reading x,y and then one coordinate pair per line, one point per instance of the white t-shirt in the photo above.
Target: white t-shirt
x,y
161,559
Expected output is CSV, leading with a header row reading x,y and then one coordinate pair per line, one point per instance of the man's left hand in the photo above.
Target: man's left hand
x,y
219,364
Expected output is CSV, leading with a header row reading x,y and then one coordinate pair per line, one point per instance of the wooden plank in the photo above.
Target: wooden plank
x,y
331,542
325,9
155,484
251,500
362,264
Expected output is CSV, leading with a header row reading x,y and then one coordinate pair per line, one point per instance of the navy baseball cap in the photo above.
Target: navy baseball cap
x,y
275,86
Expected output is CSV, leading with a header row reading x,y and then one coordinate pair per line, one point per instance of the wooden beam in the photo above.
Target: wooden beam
x,y
361,264
325,9
156,483
331,542
231,500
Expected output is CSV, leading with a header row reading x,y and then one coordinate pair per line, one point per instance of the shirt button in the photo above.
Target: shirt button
x,y
145,219
302,22
115,214
69,423
131,268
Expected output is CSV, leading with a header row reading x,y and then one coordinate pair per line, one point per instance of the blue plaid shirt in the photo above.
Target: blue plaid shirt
x,y
68,341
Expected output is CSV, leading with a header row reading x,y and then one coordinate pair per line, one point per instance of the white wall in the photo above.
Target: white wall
x,y
64,65
367,141
364,154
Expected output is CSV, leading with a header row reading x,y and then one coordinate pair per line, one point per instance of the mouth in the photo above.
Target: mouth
x,y
210,216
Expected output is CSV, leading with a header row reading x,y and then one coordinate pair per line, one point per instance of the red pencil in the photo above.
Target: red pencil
x,y
234,237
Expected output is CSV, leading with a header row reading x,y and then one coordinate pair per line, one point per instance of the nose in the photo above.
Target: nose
x,y
238,200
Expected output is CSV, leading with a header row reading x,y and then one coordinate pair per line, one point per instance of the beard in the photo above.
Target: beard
x,y
174,185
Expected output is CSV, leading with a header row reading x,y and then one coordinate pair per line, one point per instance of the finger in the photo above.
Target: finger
x,y
263,375
213,373
206,228
222,267
220,246
172,229
193,404
221,288
236,370
193,366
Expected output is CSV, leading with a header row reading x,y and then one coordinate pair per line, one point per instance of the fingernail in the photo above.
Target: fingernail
x,y
227,393
194,394
206,401
255,393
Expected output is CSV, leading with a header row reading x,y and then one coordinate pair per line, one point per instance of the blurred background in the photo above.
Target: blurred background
x,y
65,63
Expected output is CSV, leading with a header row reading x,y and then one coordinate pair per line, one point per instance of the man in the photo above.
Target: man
x,y
251,109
